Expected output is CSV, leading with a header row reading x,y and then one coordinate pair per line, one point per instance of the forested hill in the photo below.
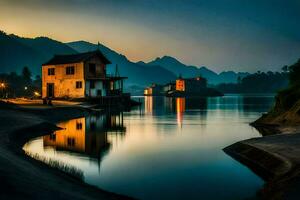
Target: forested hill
x,y
287,106
17,52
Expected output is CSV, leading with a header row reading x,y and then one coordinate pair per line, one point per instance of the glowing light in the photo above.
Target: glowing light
x,y
25,88
2,85
37,94
180,108
180,85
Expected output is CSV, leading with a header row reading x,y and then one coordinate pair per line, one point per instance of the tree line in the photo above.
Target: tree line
x,y
259,82
20,85
287,97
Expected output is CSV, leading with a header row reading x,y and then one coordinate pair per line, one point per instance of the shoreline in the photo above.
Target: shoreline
x,y
274,157
27,178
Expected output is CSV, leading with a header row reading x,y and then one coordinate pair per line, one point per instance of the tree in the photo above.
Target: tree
x,y
26,73
37,82
285,68
239,80
294,74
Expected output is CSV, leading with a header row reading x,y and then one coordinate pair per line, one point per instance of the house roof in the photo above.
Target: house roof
x,y
109,78
75,58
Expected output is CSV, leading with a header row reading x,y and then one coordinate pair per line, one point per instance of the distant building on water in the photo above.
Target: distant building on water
x,y
154,90
182,87
191,85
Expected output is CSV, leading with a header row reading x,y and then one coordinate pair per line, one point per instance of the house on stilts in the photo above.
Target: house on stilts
x,y
81,76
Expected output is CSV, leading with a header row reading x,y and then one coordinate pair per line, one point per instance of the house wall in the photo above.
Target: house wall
x,y
148,91
99,85
180,85
100,68
64,85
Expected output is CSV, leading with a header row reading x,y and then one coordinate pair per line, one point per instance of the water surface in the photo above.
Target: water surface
x,y
167,149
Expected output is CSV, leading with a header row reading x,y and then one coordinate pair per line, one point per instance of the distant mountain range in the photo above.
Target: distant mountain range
x,y
17,52
137,74
187,71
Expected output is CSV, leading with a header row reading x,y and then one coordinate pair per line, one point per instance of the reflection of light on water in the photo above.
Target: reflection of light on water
x,y
148,104
180,108
79,140
158,154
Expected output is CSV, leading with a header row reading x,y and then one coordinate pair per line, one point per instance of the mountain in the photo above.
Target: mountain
x,y
137,73
175,66
17,52
188,71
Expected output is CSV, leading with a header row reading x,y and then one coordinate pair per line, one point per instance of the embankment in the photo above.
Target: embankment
x,y
25,178
276,156
286,111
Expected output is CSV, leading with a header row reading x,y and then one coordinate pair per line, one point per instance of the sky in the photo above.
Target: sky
x,y
240,35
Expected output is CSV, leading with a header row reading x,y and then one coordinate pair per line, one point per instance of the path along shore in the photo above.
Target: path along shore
x,y
25,178
275,158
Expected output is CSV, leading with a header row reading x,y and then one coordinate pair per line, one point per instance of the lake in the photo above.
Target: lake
x,y
169,148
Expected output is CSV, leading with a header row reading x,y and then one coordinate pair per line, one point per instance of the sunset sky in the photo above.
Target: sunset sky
x,y
240,35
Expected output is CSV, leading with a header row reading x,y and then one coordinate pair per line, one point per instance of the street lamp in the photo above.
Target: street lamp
x,y
2,86
37,94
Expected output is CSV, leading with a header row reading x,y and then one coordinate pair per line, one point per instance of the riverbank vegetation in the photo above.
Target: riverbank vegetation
x,y
289,96
20,85
259,82
286,110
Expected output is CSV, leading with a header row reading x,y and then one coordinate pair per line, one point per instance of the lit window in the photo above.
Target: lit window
x,y
78,84
70,70
51,71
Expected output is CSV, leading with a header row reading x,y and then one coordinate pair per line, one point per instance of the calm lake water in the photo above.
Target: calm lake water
x,y
166,149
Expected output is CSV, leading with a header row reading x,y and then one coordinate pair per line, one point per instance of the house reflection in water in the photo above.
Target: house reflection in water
x,y
86,135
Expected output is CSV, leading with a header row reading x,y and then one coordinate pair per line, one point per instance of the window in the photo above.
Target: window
x,y
92,68
99,93
92,84
78,125
51,71
71,141
78,84
112,85
93,126
70,70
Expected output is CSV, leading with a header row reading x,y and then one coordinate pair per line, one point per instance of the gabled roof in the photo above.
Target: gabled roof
x,y
75,58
